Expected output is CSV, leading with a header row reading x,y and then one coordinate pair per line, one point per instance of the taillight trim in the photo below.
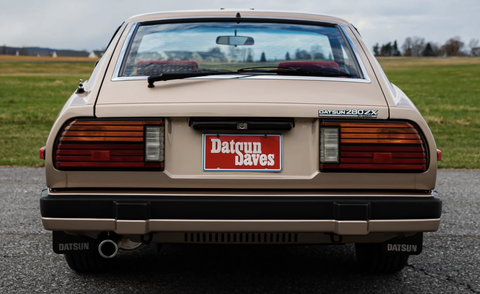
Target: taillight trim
x,y
114,165
416,167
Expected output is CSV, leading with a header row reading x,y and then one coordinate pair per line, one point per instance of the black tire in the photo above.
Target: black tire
x,y
89,262
371,258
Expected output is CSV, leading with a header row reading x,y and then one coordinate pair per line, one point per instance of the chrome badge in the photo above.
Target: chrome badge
x,y
348,113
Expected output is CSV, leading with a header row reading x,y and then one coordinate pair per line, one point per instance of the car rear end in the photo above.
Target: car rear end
x,y
281,144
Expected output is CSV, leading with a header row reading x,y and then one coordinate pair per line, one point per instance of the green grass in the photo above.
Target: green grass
x,y
45,68
446,91
30,103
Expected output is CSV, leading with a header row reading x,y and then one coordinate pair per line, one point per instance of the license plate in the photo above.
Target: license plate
x,y
258,153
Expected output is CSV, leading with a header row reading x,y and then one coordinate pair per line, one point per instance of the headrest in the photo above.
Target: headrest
x,y
156,67
326,67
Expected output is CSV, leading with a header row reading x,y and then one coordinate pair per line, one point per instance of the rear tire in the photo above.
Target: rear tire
x,y
89,262
371,257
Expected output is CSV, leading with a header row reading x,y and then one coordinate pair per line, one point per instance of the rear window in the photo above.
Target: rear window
x,y
307,50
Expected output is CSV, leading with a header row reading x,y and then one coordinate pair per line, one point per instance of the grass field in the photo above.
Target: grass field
x,y
32,92
446,91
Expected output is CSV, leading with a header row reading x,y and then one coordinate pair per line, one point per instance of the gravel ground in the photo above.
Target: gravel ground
x,y
450,262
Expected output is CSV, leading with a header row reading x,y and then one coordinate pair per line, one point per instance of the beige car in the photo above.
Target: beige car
x,y
239,127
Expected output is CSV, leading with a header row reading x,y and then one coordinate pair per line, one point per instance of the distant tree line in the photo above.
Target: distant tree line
x,y
315,53
48,52
416,46
388,49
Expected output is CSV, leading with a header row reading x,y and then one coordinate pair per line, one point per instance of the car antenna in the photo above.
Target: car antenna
x,y
80,89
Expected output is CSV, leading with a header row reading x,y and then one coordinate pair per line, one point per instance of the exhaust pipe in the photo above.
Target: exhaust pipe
x,y
108,248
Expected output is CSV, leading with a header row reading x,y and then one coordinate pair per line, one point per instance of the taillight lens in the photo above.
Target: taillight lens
x,y
373,146
42,153
154,143
96,144
329,142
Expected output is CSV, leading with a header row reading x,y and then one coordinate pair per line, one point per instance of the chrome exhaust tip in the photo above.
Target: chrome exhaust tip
x,y
108,248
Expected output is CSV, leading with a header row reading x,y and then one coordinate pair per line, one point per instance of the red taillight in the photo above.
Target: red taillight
x,y
373,146
87,144
439,155
42,153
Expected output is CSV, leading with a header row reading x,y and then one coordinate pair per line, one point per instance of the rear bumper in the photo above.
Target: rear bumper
x,y
142,213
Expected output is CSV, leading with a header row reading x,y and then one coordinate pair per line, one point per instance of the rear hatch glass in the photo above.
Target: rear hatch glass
x,y
253,48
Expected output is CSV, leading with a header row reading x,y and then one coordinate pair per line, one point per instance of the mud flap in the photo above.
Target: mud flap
x,y
410,245
64,243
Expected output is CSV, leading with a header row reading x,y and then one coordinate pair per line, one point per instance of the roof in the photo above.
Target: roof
x,y
232,13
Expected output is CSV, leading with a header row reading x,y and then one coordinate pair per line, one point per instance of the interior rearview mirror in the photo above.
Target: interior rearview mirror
x,y
235,40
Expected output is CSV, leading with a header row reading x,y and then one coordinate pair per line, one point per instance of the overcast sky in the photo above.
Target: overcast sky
x,y
89,24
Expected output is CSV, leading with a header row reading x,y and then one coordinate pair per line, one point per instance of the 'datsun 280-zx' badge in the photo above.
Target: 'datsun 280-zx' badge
x,y
349,113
